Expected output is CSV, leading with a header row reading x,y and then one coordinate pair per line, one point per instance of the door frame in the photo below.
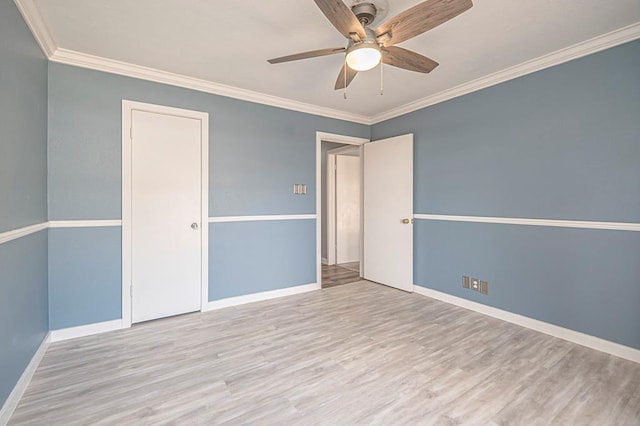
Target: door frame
x,y
331,203
348,140
127,266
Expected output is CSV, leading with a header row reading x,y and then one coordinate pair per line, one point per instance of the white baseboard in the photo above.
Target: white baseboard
x,y
324,261
85,330
587,340
18,390
257,297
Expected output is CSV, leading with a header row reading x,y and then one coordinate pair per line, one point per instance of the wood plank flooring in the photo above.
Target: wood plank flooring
x,y
345,273
354,354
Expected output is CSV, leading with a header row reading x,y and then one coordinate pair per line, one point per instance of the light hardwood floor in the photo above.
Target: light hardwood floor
x,y
355,354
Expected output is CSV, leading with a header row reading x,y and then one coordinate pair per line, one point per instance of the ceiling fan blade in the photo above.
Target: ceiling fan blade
x,y
340,83
403,58
341,17
420,18
305,55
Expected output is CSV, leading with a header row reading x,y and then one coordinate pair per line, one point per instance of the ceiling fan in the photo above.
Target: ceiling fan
x,y
368,47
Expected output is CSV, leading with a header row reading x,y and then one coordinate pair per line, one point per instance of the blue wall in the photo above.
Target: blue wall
x,y
251,257
23,305
562,143
23,123
23,196
84,264
257,153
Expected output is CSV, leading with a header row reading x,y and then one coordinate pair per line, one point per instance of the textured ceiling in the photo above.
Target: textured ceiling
x,y
230,42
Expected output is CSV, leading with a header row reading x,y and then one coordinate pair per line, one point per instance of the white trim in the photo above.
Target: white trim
x,y
219,219
335,138
345,150
204,213
324,261
14,234
70,57
41,33
349,140
84,223
21,385
258,297
32,16
578,50
127,108
85,330
587,340
614,226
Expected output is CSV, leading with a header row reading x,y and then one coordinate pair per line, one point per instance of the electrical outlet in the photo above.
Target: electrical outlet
x,y
484,287
465,282
475,284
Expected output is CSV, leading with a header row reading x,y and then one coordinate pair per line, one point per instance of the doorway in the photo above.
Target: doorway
x,y
386,239
342,230
339,202
165,204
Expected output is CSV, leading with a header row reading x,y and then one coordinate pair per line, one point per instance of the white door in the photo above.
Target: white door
x,y
347,209
388,212
165,215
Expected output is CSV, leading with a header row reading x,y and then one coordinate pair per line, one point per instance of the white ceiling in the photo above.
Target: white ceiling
x,y
229,42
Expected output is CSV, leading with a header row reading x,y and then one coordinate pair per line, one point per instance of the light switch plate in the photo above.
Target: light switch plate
x,y
300,188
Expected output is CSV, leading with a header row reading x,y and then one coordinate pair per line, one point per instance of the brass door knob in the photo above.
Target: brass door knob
x,y
407,221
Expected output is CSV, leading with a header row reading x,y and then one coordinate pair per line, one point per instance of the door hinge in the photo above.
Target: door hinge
x,y
131,291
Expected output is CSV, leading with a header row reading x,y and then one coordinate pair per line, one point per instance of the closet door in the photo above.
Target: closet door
x,y
165,215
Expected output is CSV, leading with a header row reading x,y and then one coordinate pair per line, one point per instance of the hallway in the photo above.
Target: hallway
x,y
335,275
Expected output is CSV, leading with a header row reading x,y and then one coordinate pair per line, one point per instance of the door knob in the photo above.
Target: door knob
x,y
407,221
194,225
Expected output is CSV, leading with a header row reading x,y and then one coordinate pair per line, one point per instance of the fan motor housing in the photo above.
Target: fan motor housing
x,y
365,12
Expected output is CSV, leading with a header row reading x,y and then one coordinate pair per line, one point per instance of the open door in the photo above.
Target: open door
x,y
388,212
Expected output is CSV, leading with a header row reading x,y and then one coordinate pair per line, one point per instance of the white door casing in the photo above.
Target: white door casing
x,y
388,212
347,209
165,211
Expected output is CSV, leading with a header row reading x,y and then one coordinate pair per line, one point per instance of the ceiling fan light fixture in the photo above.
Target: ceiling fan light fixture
x,y
363,56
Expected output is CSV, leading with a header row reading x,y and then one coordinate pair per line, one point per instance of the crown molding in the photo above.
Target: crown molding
x,y
33,18
31,15
70,57
578,50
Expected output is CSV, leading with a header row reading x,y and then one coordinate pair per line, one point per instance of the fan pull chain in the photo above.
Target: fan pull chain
x,y
345,76
381,81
